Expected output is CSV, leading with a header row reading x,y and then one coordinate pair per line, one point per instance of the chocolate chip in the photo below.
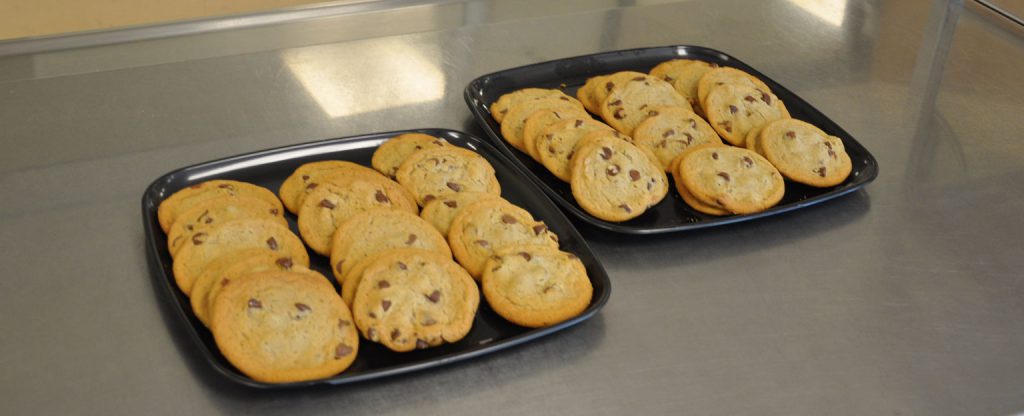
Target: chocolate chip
x,y
539,228
255,304
643,106
832,153
563,98
302,307
272,243
548,289
454,186
612,170
410,240
578,123
385,304
625,207
482,243
189,227
205,214
724,175
820,171
395,333
274,211
689,138
650,185
634,175
608,86
766,98
662,144
434,296
284,263
606,153
337,267
747,161
669,79
503,111
227,186
402,266
197,238
224,282
733,109
342,324
619,114
615,103
669,132
428,198
381,197
311,186
551,149
693,123
727,125
451,204
383,284
372,315
570,155
305,178
371,333
790,134
526,255
714,155
429,321
327,204
421,344
342,350
750,99
508,219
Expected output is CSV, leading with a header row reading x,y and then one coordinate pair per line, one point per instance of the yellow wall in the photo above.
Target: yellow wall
x,y
24,18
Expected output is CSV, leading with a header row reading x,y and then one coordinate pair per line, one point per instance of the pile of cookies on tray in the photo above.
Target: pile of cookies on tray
x,y
721,133
276,320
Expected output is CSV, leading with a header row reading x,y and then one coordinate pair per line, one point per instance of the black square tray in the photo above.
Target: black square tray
x,y
672,214
269,168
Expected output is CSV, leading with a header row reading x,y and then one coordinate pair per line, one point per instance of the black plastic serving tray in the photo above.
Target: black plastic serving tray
x,y
672,214
269,168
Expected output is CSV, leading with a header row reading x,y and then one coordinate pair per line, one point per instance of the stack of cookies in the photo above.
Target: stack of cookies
x,y
680,106
276,320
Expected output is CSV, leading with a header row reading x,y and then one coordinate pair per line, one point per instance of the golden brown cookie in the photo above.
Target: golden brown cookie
x,y
210,213
614,180
442,211
688,197
514,123
536,286
338,198
804,153
225,269
280,327
430,173
501,107
307,177
734,110
586,94
185,199
685,82
410,301
390,155
556,145
629,104
230,237
726,76
489,225
753,140
670,131
736,179
542,119
378,230
606,84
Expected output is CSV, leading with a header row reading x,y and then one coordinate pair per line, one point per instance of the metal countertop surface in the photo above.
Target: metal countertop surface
x,y
905,298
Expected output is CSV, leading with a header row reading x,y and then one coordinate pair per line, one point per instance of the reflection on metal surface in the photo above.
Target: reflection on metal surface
x,y
831,11
349,81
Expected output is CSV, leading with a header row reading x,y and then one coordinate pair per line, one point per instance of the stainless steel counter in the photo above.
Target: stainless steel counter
x,y
906,298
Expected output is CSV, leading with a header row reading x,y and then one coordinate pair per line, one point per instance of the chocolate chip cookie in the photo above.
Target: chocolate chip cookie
x,y
536,286
670,131
410,301
614,180
225,269
430,173
734,110
280,327
390,155
735,179
378,230
208,214
187,198
804,153
556,145
501,107
486,226
307,177
442,211
628,105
